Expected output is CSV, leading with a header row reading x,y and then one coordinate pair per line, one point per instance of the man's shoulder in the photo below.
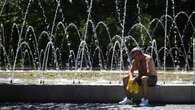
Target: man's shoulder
x,y
148,56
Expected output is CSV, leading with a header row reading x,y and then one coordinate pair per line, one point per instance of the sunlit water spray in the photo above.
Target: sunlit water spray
x,y
83,58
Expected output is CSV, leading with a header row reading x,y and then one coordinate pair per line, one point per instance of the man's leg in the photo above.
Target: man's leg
x,y
127,99
145,86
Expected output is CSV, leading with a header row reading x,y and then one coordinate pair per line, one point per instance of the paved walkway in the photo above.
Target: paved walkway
x,y
91,106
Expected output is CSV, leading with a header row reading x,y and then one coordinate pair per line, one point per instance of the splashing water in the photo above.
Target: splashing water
x,y
82,56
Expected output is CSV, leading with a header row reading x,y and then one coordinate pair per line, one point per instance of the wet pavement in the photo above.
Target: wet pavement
x,y
91,106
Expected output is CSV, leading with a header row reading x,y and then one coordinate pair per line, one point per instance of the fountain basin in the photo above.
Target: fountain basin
x,y
50,76
90,86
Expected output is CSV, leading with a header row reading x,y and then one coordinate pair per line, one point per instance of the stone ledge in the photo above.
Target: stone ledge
x,y
92,93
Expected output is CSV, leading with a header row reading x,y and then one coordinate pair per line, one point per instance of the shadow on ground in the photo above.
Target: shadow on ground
x,y
70,106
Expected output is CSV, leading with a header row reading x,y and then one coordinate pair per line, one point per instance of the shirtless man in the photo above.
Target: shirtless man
x,y
147,75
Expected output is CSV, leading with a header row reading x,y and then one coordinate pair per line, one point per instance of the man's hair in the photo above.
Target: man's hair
x,y
136,49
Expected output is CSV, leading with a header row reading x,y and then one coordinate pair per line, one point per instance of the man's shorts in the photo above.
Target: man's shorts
x,y
152,80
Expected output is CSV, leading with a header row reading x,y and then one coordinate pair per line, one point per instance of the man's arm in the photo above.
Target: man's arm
x,y
132,69
130,72
148,60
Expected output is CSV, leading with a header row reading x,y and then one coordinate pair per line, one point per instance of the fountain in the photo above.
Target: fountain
x,y
67,46
53,50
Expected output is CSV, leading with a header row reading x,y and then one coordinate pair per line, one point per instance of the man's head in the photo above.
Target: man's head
x,y
136,53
